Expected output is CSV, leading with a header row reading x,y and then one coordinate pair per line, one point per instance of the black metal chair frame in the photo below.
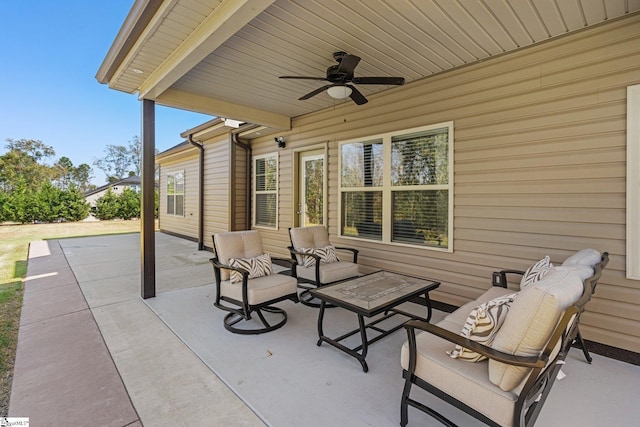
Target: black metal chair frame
x,y
539,381
306,284
244,310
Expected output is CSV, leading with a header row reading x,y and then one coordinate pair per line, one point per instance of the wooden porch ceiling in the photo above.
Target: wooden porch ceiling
x,y
223,58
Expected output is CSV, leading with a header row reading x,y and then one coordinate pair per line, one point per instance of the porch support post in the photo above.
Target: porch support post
x,y
147,214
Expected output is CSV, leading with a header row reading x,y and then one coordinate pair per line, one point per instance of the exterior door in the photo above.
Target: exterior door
x,y
311,197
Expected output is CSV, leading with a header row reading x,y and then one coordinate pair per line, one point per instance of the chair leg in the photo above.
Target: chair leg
x,y
404,403
583,345
232,319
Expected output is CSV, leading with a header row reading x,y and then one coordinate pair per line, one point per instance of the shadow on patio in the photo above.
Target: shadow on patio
x,y
175,364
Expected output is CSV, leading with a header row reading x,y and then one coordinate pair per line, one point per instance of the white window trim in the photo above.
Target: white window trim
x,y
174,173
387,188
254,192
633,182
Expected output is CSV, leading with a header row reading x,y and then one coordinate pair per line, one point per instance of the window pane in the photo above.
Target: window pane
x,y
361,164
421,217
313,188
420,158
179,183
171,184
266,210
170,204
266,178
260,174
180,205
362,214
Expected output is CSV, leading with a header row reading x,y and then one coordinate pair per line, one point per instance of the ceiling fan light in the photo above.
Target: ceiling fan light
x,y
339,92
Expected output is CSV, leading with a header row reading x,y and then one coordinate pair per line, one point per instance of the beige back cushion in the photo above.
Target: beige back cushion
x,y
585,257
315,236
533,316
237,244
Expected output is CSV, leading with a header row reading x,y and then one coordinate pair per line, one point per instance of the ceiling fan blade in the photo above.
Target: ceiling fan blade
x,y
378,80
356,96
348,64
314,93
303,78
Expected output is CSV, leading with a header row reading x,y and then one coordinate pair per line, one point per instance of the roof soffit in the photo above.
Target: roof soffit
x,y
223,57
225,21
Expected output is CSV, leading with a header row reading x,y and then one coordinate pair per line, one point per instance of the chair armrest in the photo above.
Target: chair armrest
x,y
353,250
304,254
293,264
217,264
500,277
491,353
286,260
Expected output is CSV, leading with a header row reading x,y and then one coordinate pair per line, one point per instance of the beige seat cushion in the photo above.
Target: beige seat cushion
x,y
237,244
329,272
466,381
261,289
533,316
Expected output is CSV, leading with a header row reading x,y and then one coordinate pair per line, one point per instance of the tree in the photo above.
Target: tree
x,y
120,161
21,204
135,151
64,175
82,178
116,164
48,203
32,147
22,162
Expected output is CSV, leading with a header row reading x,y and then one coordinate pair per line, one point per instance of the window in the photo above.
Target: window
x,y
265,193
398,187
175,193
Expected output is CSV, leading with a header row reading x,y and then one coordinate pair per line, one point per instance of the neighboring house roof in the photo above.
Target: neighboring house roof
x,y
130,180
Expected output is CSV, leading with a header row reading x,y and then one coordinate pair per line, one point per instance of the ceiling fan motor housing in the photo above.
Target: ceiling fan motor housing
x,y
335,77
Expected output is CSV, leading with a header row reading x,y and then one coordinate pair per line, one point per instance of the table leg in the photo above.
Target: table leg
x,y
365,344
320,320
428,300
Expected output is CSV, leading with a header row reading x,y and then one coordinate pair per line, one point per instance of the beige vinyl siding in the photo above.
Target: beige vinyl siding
x,y
539,167
186,225
239,194
217,155
216,187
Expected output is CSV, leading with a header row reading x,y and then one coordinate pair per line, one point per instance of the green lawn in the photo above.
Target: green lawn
x,y
14,248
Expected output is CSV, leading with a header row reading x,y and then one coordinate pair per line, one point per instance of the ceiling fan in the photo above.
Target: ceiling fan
x,y
341,75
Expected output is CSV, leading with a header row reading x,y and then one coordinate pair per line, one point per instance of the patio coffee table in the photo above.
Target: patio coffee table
x,y
370,295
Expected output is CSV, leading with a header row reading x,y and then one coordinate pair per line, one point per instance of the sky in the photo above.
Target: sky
x,y
50,52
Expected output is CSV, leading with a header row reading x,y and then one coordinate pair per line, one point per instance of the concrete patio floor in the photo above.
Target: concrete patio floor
x,y
91,352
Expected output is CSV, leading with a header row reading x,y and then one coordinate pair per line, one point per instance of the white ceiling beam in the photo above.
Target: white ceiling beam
x,y
218,108
226,20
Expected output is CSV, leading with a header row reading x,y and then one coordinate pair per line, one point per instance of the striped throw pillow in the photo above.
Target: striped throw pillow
x,y
327,254
257,267
481,325
536,272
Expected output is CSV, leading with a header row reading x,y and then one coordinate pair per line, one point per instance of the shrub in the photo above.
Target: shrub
x,y
107,206
75,206
129,204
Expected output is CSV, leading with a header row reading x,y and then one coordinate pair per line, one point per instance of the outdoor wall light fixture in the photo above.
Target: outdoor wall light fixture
x,y
339,92
280,141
